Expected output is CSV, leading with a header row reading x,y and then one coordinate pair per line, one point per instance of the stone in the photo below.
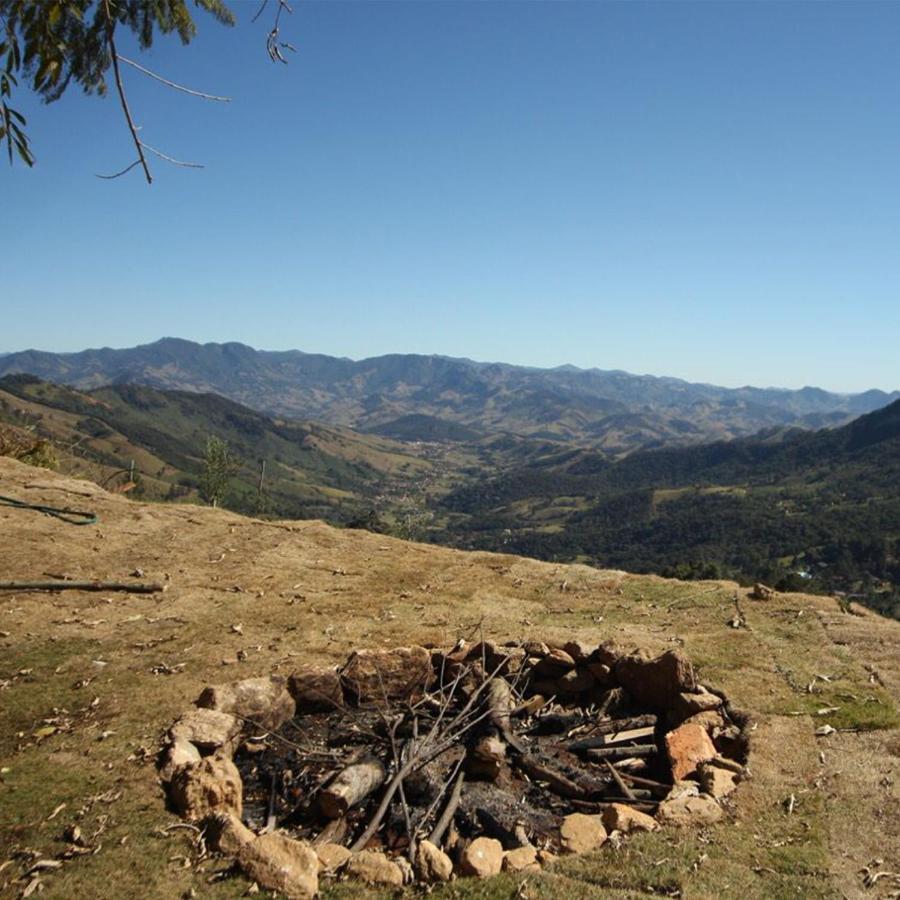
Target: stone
x,y
536,648
177,754
711,720
281,864
554,664
373,676
689,810
620,817
208,730
723,762
483,858
432,864
266,702
717,782
602,673
762,592
226,833
581,833
656,682
687,747
503,660
204,788
575,681
373,867
607,654
522,859
331,856
687,705
544,687
546,858
580,651
316,689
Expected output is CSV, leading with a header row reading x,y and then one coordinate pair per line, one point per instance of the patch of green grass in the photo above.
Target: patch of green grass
x,y
873,711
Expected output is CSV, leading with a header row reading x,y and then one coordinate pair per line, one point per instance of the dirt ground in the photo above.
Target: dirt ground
x,y
90,681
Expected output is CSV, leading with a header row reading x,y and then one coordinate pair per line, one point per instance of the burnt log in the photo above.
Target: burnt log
x,y
622,752
350,787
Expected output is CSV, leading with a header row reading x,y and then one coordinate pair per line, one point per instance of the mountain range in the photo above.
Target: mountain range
x,y
414,396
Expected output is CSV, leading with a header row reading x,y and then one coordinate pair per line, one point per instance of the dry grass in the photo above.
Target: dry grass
x,y
306,592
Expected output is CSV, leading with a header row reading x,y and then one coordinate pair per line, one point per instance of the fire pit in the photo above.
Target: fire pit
x,y
423,764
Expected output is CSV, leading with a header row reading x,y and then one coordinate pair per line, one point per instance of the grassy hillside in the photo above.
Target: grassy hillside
x,y
312,471
85,698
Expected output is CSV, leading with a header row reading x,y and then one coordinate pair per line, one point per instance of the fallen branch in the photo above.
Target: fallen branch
x,y
135,587
437,833
618,780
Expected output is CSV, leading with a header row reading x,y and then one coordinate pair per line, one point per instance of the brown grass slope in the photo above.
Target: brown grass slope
x,y
84,664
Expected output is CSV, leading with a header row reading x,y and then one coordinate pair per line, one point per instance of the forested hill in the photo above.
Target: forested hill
x,y
818,510
411,395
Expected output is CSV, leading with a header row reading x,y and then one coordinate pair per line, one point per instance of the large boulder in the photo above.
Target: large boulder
x,y
265,702
377,676
205,788
281,864
316,689
656,682
581,833
687,747
209,730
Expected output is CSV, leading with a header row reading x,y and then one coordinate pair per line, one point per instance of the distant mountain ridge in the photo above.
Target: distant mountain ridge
x,y
611,410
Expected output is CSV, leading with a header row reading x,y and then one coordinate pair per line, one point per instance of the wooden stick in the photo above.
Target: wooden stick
x,y
270,818
618,780
437,833
557,782
622,752
136,587
645,782
615,725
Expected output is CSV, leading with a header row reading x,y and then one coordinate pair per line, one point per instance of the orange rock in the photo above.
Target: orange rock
x,y
688,746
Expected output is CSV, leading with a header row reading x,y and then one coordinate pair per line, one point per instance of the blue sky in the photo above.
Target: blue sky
x,y
708,190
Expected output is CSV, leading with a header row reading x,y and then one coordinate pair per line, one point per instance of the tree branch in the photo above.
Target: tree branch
x,y
110,39
127,169
176,162
172,84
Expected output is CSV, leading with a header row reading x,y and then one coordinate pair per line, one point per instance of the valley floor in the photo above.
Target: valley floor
x,y
89,682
